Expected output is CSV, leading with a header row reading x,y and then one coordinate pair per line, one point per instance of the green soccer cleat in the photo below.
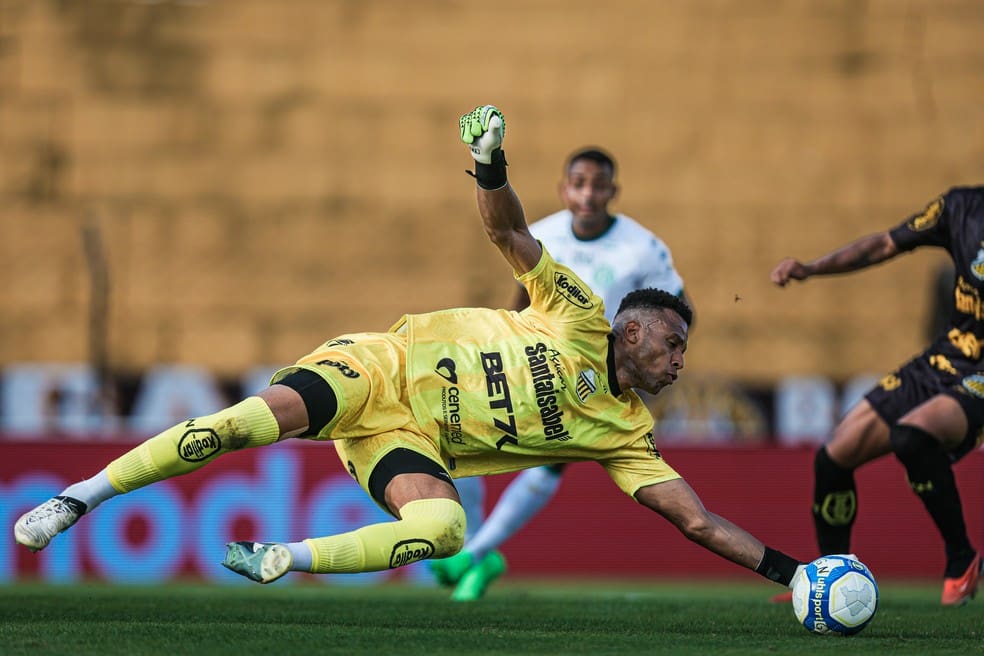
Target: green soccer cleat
x,y
448,571
263,563
476,580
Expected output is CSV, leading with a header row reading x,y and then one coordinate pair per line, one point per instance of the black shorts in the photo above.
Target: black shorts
x,y
919,380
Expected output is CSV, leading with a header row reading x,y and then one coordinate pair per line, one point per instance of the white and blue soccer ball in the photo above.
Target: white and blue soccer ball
x,y
835,595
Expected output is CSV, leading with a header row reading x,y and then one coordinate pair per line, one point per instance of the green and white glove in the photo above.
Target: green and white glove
x,y
483,130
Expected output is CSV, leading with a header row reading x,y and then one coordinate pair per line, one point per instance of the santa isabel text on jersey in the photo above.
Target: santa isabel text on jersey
x,y
546,398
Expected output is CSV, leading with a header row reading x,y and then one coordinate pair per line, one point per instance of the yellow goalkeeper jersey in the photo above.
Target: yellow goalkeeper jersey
x,y
507,390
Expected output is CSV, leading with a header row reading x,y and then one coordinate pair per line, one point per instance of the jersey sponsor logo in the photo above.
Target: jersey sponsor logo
x,y
198,444
558,368
928,217
977,266
342,367
450,402
586,385
410,551
967,299
974,384
569,289
340,341
500,400
545,393
446,369
451,415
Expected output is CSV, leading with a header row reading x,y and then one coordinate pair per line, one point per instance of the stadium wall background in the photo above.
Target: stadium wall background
x,y
264,175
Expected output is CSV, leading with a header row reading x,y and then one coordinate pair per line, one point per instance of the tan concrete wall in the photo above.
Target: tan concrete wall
x,y
267,174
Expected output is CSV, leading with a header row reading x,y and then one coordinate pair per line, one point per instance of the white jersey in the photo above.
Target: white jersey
x,y
624,258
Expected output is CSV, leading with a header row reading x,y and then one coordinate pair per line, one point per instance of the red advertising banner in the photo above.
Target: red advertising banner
x,y
176,529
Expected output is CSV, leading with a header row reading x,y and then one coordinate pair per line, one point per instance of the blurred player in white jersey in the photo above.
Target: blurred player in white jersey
x,y
615,255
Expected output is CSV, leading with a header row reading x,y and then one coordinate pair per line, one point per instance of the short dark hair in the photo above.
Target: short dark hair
x,y
656,299
595,154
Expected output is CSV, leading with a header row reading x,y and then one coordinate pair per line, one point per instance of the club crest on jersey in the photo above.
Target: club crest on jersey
x,y
571,290
586,385
929,216
974,384
977,266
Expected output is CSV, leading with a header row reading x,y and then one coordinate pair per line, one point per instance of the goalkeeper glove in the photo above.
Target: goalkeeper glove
x,y
483,130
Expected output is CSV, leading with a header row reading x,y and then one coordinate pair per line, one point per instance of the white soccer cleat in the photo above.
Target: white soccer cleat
x,y
35,529
263,563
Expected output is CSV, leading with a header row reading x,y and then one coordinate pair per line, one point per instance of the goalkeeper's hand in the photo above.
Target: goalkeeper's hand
x,y
483,130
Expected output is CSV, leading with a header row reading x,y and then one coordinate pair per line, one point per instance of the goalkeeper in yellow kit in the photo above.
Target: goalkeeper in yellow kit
x,y
454,393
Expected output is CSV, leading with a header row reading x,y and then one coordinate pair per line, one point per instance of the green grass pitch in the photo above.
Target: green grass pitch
x,y
546,617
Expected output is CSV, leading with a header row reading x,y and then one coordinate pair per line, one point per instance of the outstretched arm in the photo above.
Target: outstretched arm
x,y
859,254
676,501
502,214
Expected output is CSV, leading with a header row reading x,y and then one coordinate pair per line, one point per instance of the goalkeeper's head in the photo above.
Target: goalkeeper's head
x,y
650,333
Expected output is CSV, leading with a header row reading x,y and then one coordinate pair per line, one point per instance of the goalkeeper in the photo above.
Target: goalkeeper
x,y
450,394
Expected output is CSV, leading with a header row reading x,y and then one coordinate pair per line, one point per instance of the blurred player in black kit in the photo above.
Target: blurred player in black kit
x,y
930,411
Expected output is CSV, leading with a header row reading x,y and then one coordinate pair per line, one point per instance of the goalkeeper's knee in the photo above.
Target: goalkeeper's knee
x,y
440,520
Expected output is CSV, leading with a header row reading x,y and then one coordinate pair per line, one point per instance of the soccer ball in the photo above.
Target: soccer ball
x,y
835,594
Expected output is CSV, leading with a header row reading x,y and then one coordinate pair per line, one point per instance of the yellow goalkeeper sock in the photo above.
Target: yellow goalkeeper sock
x,y
190,445
429,528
